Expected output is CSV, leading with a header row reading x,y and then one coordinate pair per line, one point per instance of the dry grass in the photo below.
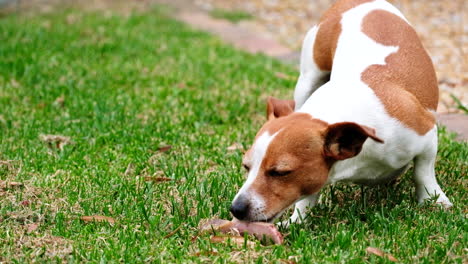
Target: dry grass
x,y
27,236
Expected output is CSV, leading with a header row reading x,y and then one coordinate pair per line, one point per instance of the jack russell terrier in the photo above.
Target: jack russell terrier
x,y
363,109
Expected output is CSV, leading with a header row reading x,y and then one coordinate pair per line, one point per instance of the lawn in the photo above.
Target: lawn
x,y
149,108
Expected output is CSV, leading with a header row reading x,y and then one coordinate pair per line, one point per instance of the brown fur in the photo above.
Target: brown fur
x,y
306,147
406,84
298,148
344,140
329,31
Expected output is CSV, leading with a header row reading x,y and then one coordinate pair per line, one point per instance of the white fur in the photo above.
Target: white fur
x,y
259,150
346,98
311,76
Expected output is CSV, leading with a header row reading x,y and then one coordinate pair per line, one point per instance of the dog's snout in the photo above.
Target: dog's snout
x,y
240,208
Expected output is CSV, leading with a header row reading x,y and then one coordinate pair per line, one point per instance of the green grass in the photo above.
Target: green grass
x,y
234,16
459,104
133,84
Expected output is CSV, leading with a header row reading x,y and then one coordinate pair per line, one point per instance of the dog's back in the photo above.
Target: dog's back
x,y
370,42
381,77
363,106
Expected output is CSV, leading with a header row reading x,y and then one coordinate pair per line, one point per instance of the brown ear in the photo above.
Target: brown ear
x,y
344,140
278,108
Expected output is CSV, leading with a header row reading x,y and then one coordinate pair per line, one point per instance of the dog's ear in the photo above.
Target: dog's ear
x,y
344,140
278,108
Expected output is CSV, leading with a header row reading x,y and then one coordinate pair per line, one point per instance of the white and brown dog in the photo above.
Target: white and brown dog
x,y
363,74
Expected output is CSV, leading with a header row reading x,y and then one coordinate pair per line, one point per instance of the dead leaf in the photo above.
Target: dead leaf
x,y
98,218
41,105
158,154
55,141
205,253
380,253
239,240
284,76
60,101
157,179
130,169
25,203
8,185
32,227
375,251
164,148
173,232
235,146
391,258
15,184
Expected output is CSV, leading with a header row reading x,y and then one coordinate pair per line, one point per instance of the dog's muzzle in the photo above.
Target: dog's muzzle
x,y
240,208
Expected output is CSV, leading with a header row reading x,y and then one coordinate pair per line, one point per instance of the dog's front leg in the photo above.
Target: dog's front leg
x,y
300,209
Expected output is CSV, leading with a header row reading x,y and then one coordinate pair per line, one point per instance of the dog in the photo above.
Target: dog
x,y
363,110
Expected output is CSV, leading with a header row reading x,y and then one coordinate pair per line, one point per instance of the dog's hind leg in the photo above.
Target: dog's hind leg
x,y
311,77
424,175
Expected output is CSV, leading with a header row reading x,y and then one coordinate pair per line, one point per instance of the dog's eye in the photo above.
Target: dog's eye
x,y
246,167
275,173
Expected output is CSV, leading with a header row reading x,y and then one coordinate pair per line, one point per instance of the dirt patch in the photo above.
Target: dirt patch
x,y
43,245
55,141
25,218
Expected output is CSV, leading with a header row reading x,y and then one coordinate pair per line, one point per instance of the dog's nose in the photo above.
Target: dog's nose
x,y
240,208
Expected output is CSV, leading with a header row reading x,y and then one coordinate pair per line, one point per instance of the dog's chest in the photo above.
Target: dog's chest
x,y
379,163
366,173
361,171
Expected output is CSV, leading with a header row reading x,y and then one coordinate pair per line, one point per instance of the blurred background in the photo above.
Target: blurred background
x,y
441,24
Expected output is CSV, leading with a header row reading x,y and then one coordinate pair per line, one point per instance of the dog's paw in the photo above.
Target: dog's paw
x,y
444,201
287,223
441,200
283,224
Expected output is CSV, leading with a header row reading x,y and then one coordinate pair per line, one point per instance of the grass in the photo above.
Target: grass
x,y
459,104
121,87
234,16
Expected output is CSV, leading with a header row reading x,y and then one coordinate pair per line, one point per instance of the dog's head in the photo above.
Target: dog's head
x,y
290,158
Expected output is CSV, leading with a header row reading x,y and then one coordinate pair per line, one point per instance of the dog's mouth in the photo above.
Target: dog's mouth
x,y
270,219
274,216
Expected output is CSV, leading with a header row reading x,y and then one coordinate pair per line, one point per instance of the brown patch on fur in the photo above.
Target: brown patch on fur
x,y
406,84
298,148
344,140
305,148
329,31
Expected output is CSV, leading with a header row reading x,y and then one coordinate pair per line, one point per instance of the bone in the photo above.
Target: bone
x,y
259,229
